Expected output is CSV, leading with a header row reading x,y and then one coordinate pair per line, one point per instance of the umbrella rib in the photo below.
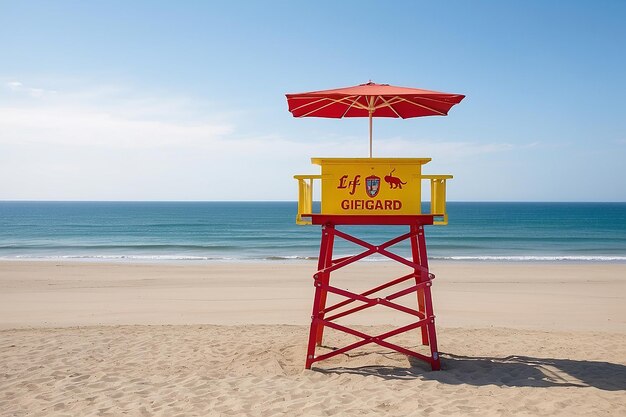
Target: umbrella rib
x,y
423,106
332,101
397,99
310,103
389,105
439,100
355,101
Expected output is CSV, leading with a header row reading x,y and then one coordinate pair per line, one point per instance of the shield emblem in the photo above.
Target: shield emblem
x,y
372,185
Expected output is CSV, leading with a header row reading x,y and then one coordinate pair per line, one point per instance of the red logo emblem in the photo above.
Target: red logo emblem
x,y
394,182
372,185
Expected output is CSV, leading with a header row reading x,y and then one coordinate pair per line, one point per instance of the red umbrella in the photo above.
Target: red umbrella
x,y
372,100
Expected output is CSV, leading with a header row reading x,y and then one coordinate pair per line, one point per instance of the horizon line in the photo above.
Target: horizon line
x,y
292,201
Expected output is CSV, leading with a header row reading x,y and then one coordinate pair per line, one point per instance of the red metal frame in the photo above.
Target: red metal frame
x,y
423,282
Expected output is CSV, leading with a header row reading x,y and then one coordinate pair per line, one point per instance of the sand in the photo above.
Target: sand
x,y
83,339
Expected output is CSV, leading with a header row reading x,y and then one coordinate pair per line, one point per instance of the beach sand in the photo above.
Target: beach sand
x,y
96,339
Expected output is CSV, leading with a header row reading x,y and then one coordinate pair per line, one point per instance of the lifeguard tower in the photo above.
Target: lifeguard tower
x,y
372,192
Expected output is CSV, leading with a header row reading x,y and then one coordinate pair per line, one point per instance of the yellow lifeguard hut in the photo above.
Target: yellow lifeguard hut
x,y
372,186
373,192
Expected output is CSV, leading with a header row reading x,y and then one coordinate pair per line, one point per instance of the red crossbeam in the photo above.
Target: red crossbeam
x,y
370,302
372,291
371,249
379,340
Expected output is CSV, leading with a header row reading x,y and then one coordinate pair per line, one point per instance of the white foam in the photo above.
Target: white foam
x,y
534,258
148,258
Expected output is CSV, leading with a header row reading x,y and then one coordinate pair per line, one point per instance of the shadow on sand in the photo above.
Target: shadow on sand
x,y
511,371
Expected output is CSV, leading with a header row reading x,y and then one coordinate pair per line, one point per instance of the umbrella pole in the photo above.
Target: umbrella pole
x,y
370,134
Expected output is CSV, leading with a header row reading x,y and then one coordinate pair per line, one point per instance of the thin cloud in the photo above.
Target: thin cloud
x,y
439,149
105,117
14,85
18,87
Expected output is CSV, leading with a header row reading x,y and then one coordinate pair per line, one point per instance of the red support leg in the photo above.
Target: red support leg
x,y
325,279
428,303
434,353
315,315
415,251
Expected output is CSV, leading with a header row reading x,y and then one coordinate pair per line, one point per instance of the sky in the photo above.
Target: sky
x,y
162,100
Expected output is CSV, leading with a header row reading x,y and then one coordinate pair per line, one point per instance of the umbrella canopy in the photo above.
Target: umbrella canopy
x,y
372,100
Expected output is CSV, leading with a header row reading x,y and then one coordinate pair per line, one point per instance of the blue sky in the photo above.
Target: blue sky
x,y
149,100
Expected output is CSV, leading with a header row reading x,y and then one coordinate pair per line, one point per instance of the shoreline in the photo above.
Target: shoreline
x,y
183,260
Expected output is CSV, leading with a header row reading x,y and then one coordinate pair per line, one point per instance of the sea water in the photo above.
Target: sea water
x,y
266,231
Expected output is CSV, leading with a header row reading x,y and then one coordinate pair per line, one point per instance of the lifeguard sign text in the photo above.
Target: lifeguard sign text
x,y
379,186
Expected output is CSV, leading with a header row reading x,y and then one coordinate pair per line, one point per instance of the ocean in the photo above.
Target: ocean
x,y
266,231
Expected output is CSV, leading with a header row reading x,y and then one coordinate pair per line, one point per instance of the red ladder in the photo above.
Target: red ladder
x,y
425,318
